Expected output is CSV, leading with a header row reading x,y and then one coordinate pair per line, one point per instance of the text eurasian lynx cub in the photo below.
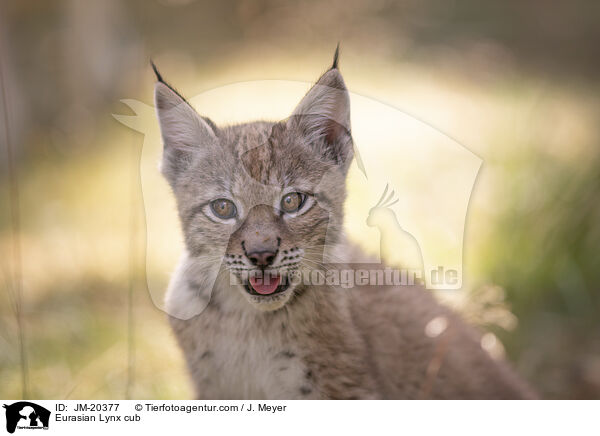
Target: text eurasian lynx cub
x,y
262,201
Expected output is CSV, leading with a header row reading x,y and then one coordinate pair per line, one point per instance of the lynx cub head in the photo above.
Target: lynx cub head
x,y
260,200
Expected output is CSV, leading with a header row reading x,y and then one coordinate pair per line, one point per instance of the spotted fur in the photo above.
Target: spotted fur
x,y
307,342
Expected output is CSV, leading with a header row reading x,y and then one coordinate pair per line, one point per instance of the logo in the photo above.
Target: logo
x,y
26,415
417,227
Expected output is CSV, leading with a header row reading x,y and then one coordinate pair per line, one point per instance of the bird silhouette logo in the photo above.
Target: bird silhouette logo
x,y
396,245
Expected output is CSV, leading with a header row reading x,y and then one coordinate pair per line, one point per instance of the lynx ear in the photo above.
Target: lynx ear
x,y
184,132
323,117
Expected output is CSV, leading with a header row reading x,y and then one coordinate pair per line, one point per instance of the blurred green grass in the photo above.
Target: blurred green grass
x,y
543,250
76,253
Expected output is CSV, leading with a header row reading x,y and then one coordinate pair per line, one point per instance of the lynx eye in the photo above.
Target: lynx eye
x,y
223,208
293,202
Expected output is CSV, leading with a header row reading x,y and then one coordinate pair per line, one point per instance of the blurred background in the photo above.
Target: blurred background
x,y
517,84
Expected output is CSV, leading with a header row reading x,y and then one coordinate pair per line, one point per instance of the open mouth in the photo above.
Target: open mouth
x,y
265,284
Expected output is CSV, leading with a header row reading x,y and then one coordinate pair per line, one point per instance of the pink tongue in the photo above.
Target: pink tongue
x,y
265,285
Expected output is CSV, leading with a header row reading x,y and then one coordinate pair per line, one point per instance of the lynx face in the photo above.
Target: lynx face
x,y
259,201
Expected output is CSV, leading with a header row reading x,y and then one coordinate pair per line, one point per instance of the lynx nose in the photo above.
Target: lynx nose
x,y
262,258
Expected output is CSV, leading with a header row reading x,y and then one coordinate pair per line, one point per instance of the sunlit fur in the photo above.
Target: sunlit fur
x,y
308,341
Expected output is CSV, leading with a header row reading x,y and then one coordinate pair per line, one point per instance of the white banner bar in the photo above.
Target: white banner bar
x,y
302,417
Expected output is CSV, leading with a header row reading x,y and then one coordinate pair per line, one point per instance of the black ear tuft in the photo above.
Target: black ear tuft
x,y
335,57
160,79
158,76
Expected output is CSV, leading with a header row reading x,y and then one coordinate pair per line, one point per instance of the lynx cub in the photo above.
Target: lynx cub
x,y
261,202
